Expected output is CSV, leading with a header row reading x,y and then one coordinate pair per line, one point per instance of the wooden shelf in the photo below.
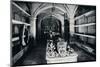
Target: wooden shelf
x,y
19,54
86,48
19,22
90,36
86,14
21,9
83,25
15,38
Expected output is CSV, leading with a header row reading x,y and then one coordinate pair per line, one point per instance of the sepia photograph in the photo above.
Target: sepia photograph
x,y
52,33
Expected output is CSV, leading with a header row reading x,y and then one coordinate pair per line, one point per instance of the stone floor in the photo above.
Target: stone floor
x,y
37,56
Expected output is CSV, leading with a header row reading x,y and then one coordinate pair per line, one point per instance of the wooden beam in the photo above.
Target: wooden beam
x,y
18,56
83,25
85,47
21,9
19,22
85,14
15,38
90,36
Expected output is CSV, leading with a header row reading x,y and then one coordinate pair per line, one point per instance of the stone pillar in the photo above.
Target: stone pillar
x,y
71,21
62,27
33,27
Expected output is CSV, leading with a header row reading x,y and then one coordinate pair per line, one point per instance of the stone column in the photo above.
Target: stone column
x,y
33,27
71,21
62,29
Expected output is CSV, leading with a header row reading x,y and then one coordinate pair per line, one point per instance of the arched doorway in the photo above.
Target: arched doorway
x,y
47,25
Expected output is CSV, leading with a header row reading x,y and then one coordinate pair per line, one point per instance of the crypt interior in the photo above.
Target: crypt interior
x,y
46,33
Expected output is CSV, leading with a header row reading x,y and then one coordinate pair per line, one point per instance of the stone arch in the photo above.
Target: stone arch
x,y
57,16
39,27
39,23
47,7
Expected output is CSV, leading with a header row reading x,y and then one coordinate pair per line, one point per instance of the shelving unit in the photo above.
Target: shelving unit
x,y
20,30
85,31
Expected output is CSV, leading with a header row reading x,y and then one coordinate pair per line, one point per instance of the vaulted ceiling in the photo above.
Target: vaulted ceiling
x,y
70,10
53,9
36,8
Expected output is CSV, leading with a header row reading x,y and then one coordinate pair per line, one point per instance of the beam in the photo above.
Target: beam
x,y
18,56
15,38
19,22
21,9
84,35
83,25
85,14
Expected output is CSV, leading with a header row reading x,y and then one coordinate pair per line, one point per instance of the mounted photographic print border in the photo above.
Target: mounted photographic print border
x,y
52,33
